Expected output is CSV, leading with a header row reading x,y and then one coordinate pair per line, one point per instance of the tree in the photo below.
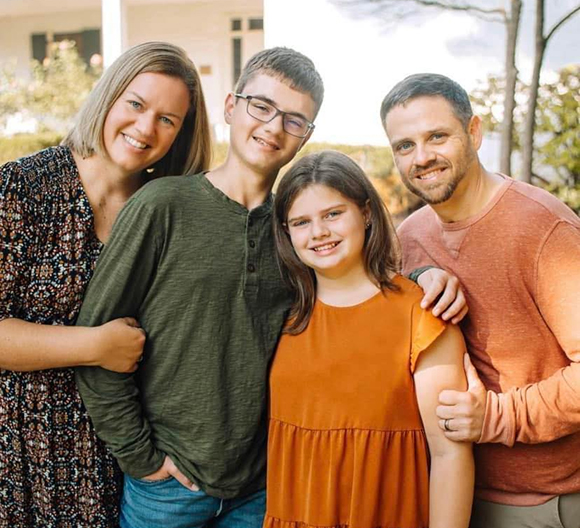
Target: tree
x,y
12,92
509,16
541,41
557,129
56,92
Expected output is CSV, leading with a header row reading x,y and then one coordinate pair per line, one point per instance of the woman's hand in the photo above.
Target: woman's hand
x,y
119,345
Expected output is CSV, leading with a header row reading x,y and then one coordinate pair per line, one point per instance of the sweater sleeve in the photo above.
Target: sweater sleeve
x,y
549,409
122,278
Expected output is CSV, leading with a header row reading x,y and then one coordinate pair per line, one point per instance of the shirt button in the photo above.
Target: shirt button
x,y
252,244
251,268
250,222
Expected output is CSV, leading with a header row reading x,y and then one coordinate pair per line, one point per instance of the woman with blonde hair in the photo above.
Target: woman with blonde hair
x,y
146,118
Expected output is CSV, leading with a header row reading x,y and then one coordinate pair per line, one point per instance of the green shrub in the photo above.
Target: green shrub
x,y
14,147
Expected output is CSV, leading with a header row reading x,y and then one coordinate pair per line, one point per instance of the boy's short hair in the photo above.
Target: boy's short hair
x,y
429,85
285,64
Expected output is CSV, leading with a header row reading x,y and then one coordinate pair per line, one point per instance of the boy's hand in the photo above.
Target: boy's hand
x,y
169,469
451,304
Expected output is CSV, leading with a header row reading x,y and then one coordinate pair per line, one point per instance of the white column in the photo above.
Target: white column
x,y
113,29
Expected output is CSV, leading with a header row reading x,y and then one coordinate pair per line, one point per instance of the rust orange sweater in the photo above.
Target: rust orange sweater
x,y
519,263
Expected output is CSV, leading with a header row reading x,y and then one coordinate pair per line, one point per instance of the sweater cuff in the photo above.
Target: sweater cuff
x,y
416,273
141,463
498,421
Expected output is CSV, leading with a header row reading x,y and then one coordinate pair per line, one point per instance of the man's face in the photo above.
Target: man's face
x,y
266,147
432,150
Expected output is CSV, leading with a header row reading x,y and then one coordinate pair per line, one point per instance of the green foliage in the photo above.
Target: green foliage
x,y
487,102
377,162
60,85
56,92
557,132
15,147
559,121
12,92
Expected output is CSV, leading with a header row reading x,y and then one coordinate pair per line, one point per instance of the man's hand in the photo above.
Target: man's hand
x,y
461,414
169,469
451,305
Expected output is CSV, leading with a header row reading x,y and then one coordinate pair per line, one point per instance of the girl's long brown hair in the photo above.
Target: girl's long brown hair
x,y
381,248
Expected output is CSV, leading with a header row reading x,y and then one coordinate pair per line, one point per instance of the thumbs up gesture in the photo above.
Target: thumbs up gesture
x,y
461,414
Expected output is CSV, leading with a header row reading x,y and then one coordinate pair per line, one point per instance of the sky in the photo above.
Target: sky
x,y
360,59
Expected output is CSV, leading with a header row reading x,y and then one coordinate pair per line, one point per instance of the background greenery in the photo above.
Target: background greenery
x,y
61,83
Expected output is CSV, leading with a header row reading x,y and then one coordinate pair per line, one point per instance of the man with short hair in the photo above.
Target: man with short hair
x,y
516,250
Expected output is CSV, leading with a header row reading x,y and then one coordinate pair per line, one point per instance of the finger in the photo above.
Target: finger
x,y
432,292
178,475
447,299
459,317
131,321
447,412
183,480
455,307
444,412
451,397
473,380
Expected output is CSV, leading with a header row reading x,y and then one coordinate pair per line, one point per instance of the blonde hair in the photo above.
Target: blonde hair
x,y
191,150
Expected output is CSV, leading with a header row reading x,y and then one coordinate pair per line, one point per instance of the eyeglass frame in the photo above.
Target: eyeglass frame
x,y
309,124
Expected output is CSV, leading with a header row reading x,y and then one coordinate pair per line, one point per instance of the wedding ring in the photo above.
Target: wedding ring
x,y
446,425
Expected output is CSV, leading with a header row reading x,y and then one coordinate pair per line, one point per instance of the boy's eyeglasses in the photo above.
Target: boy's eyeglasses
x,y
261,110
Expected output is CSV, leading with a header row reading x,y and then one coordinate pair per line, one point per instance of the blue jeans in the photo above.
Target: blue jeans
x,y
168,504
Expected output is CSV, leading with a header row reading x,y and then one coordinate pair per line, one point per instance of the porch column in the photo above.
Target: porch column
x,y
113,29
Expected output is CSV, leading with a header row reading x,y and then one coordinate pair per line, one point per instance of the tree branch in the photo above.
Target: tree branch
x,y
462,7
560,22
401,9
540,178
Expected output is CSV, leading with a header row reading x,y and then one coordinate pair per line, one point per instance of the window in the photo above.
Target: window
x,y
255,24
237,58
236,24
87,42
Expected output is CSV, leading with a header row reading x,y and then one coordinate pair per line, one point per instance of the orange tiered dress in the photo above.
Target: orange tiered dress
x,y
346,443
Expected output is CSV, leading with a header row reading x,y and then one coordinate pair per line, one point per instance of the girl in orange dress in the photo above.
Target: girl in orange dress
x,y
354,439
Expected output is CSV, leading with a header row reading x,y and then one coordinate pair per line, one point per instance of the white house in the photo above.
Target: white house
x,y
218,35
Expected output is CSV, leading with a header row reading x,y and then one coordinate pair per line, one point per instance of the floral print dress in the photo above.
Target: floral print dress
x,y
54,472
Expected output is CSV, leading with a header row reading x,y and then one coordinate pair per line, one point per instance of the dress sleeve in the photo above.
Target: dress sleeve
x,y
17,228
121,281
426,328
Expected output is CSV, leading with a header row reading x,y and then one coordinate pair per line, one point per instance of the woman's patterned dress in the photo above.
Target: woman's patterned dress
x,y
54,472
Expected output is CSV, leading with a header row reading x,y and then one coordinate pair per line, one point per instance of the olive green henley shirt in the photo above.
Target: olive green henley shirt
x,y
197,270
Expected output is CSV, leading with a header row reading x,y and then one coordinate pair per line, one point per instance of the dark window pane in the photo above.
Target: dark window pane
x,y
237,58
256,24
236,24
39,46
91,39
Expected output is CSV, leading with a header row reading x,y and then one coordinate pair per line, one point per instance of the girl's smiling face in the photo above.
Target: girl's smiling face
x,y
327,231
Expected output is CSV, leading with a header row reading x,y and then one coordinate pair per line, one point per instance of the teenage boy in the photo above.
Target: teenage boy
x,y
516,250
192,258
